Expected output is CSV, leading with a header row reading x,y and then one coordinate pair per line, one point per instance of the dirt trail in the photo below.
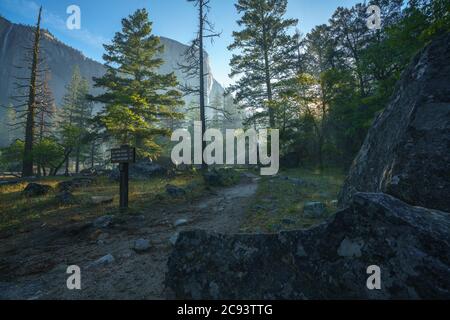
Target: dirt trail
x,y
36,267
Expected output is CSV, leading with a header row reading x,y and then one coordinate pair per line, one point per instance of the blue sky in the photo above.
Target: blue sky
x,y
175,19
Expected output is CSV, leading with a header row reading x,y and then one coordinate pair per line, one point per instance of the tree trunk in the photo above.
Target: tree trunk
x,y
92,154
66,173
268,81
27,167
77,160
202,83
65,160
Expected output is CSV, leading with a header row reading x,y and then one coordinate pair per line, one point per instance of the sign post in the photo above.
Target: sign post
x,y
123,156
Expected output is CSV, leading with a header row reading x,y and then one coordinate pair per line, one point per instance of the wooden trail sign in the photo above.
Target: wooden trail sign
x,y
123,156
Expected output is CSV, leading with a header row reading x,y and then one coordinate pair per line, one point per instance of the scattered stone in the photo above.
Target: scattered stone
x,y
91,172
288,221
9,182
174,238
95,235
103,261
141,245
259,207
76,183
174,191
349,248
101,200
181,222
103,236
36,190
410,244
103,222
314,210
66,198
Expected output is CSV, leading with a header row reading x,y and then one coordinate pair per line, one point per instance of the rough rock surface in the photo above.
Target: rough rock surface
x,y
175,191
407,151
411,245
36,190
72,185
314,209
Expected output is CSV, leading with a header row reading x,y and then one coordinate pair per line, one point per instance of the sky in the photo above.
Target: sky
x,y
175,19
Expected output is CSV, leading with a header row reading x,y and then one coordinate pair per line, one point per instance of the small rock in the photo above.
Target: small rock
x,y
101,200
103,236
141,245
174,191
173,239
91,172
314,209
73,184
103,261
288,221
180,222
103,222
36,190
65,198
335,203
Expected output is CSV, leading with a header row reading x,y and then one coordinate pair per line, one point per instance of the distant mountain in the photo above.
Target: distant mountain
x,y
61,59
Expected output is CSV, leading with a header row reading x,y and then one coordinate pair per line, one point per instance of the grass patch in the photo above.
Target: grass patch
x,y
279,203
20,213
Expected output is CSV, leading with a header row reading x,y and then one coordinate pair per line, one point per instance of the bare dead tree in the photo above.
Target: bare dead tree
x,y
195,58
27,168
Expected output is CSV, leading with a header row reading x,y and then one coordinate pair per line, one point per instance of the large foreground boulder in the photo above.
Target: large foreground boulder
x,y
407,151
411,246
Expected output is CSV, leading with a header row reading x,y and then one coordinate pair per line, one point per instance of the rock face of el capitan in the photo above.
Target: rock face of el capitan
x,y
411,245
60,59
407,151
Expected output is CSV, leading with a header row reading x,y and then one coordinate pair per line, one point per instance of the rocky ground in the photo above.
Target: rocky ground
x,y
121,257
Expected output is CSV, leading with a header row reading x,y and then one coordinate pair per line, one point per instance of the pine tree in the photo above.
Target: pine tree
x,y
81,119
267,53
67,128
137,98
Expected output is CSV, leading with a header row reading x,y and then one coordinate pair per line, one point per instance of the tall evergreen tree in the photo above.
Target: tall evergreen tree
x,y
71,104
267,53
136,97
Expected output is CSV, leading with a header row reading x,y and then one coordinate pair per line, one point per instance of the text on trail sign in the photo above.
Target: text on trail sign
x,y
123,155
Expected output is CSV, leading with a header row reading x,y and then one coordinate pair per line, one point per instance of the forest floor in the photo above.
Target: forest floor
x,y
39,239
